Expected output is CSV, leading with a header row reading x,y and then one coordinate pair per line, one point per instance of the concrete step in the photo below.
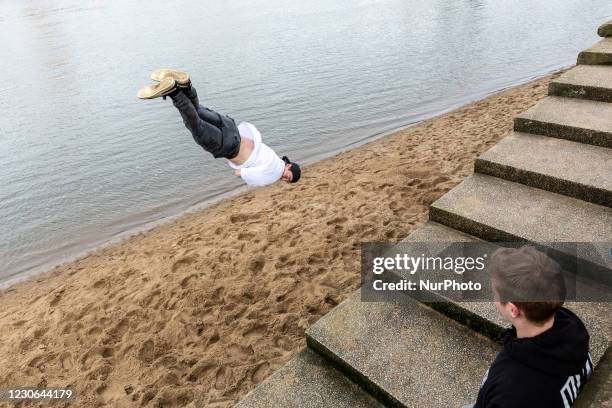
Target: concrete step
x,y
561,166
407,355
484,318
308,380
599,54
569,118
499,210
597,392
593,82
605,30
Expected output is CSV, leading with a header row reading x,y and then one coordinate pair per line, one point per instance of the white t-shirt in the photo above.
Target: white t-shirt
x,y
263,166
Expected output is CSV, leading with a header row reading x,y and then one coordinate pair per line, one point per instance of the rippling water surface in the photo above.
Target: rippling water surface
x,y
82,160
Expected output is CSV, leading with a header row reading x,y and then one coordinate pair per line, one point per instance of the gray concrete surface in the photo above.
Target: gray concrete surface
x,y
308,381
593,82
484,318
499,210
598,54
494,209
561,166
407,354
597,393
569,118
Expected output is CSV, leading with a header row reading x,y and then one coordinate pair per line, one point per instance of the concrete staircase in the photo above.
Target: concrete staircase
x,y
308,380
591,82
547,163
599,54
398,351
549,181
578,120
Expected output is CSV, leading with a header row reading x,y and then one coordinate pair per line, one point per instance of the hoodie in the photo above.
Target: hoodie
x,y
545,371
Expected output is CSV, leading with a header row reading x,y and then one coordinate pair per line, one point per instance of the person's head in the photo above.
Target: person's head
x,y
527,285
292,172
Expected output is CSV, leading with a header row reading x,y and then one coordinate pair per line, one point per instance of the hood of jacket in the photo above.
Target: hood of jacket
x,y
559,351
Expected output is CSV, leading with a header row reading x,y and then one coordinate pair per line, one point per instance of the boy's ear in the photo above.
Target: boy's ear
x,y
513,309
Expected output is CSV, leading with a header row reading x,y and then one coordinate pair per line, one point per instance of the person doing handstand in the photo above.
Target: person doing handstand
x,y
253,161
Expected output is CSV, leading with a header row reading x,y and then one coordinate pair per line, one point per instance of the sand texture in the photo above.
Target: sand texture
x,y
199,311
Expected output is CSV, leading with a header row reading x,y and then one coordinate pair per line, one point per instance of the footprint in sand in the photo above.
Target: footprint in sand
x,y
403,190
439,180
287,207
99,283
255,331
151,297
223,378
107,352
350,195
337,220
66,361
146,352
411,173
57,296
394,206
260,373
391,234
116,333
40,360
430,197
183,261
257,264
214,338
19,323
282,343
147,396
185,281
315,259
238,352
89,358
284,260
241,217
245,236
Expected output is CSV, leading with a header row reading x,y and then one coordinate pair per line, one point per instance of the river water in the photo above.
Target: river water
x,y
82,161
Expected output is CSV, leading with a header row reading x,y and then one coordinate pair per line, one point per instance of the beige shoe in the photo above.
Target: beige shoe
x,y
165,87
181,78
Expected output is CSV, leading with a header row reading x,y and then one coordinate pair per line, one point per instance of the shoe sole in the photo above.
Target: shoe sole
x,y
165,87
181,78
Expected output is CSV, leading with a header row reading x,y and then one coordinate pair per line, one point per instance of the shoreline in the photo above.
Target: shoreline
x,y
172,212
201,310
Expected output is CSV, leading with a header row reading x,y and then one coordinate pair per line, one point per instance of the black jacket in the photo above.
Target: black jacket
x,y
545,371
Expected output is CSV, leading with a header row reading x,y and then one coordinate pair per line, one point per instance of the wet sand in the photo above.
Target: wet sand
x,y
199,311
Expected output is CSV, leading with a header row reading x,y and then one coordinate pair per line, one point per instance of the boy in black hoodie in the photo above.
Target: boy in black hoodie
x,y
545,360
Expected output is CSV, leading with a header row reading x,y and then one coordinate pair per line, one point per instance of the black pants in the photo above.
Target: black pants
x,y
216,133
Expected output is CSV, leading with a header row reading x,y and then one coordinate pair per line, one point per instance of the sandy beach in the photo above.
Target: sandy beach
x,y
199,311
